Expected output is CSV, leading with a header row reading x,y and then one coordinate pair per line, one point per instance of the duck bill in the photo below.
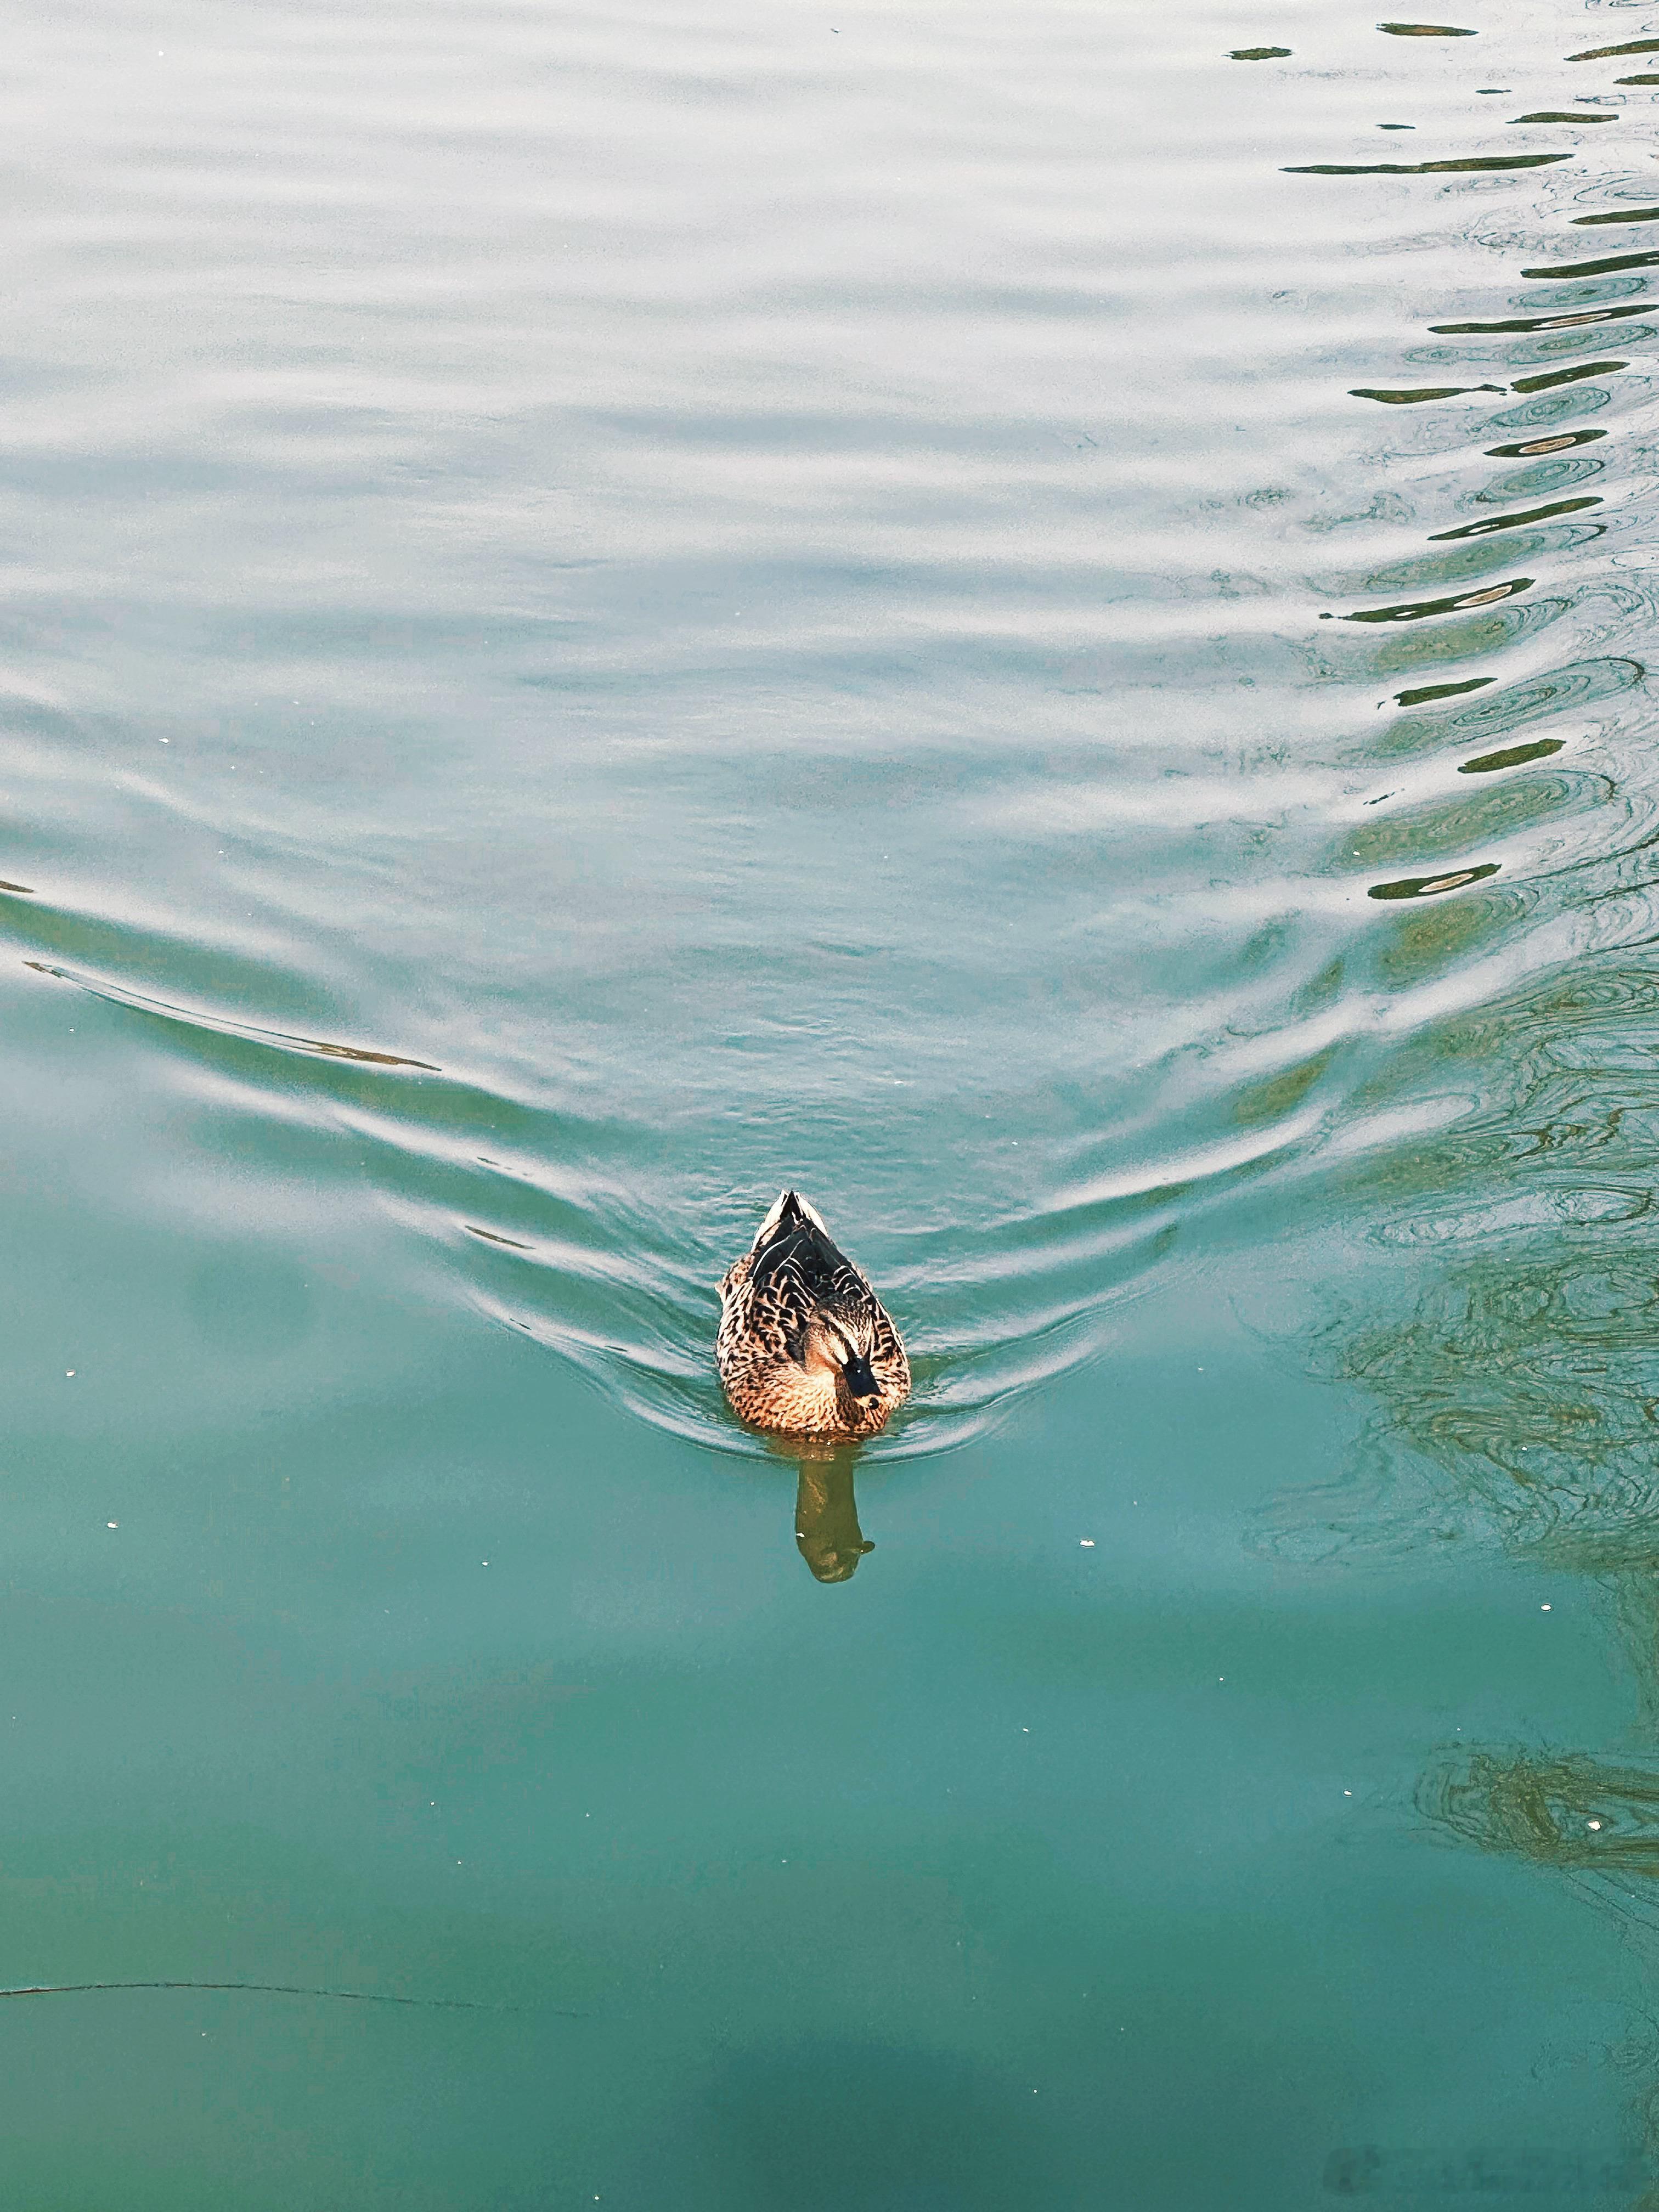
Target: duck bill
x,y
861,1378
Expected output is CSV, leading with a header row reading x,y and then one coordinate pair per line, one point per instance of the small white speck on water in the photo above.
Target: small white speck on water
x,y
1543,1608
484,1563
1024,1731
1221,1678
1347,1793
68,1374
1592,1824
1086,1543
112,1524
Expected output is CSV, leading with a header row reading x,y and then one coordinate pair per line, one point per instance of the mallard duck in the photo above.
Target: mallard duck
x,y
805,1347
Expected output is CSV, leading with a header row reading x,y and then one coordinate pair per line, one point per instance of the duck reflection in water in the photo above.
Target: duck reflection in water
x,y
827,1531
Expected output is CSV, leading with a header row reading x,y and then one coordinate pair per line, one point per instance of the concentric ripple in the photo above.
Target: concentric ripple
x,y
880,697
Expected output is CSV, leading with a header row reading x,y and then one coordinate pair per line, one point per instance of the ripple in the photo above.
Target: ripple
x,y
1043,900
196,1020
564,1249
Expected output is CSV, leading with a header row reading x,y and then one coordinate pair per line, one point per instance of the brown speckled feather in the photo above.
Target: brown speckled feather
x,y
801,1331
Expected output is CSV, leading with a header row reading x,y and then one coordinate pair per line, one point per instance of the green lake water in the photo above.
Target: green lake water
x,y
1036,629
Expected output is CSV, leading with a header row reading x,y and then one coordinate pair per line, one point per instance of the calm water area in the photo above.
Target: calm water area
x,y
1036,621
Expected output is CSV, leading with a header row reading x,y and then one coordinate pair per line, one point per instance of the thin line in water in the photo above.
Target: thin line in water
x,y
282,1989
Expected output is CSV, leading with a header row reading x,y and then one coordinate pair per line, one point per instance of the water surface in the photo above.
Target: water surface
x,y
1038,624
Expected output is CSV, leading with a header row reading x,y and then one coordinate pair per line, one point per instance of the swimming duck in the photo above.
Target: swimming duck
x,y
805,1347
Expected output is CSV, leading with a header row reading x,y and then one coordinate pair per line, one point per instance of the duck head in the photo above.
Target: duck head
x,y
832,1349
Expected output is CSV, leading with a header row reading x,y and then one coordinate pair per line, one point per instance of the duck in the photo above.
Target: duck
x,y
805,1347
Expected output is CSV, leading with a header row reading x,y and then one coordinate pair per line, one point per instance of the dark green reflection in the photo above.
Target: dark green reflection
x,y
1512,756
1605,53
1569,375
827,1531
1431,886
1556,444
1562,1809
1469,163
1516,521
1605,267
1421,609
1415,395
1424,692
1546,322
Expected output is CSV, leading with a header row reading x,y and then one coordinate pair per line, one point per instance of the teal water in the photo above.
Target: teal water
x,y
1039,630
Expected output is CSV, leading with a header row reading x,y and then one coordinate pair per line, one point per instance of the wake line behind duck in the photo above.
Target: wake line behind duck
x,y
805,1347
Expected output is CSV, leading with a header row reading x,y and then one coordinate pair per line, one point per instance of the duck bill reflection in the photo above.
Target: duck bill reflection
x,y
827,1531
